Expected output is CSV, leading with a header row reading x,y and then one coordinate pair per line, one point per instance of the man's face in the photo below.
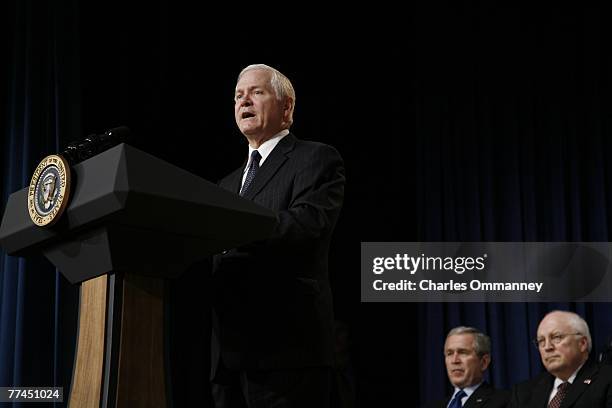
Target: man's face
x,y
463,366
561,360
258,113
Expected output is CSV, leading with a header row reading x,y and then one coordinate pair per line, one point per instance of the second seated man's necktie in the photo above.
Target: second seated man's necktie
x,y
253,167
558,398
456,402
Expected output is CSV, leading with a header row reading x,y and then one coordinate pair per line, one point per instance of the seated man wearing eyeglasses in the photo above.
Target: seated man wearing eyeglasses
x,y
571,380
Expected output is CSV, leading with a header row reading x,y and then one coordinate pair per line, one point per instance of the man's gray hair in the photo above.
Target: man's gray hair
x,y
482,342
578,324
282,86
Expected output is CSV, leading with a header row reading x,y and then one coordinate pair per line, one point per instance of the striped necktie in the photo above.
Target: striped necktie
x,y
558,398
253,167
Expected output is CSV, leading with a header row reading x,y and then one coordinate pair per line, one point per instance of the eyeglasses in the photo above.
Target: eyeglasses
x,y
555,339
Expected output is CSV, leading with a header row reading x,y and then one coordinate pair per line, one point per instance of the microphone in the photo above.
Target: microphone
x,y
94,144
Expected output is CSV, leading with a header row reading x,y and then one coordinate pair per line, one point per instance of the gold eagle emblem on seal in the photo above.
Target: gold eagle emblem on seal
x,y
49,190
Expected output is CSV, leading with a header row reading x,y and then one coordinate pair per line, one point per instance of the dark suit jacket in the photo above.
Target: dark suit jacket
x,y
272,303
592,388
485,396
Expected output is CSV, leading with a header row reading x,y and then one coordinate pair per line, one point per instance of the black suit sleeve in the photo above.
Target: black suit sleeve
x,y
316,199
514,399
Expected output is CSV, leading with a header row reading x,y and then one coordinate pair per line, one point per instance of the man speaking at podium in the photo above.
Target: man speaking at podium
x,y
272,340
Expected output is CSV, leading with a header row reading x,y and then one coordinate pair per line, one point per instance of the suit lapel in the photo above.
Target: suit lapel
x,y
587,373
233,182
542,391
479,397
273,162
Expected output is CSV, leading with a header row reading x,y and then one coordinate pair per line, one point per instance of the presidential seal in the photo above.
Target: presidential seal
x,y
49,190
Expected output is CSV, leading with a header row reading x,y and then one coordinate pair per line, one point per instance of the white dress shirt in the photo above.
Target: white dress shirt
x,y
559,381
468,392
264,151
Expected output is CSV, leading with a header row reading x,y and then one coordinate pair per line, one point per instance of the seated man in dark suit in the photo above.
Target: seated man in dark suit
x,y
467,354
571,380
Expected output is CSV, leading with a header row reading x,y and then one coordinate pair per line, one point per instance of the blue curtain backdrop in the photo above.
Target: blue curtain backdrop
x,y
36,304
514,145
497,129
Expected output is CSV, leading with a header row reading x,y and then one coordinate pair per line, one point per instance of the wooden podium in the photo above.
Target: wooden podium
x,y
133,221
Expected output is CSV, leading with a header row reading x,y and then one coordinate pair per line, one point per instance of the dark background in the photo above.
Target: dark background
x,y
455,124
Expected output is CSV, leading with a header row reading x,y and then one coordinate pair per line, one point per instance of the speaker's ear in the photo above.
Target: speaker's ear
x,y
288,105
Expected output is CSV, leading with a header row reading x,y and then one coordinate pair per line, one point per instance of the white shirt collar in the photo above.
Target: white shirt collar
x,y
559,381
468,392
570,380
266,148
